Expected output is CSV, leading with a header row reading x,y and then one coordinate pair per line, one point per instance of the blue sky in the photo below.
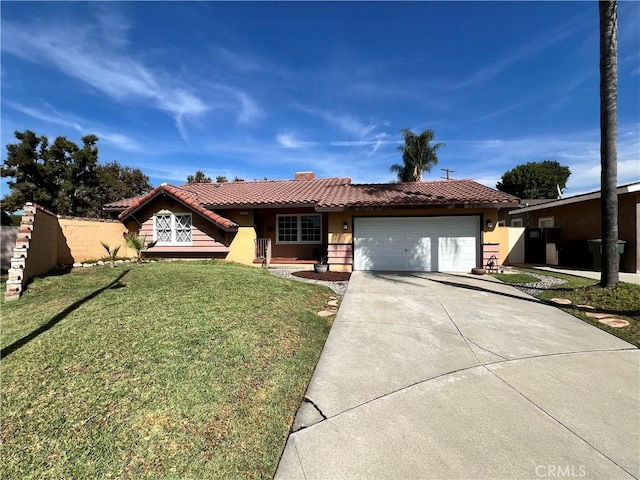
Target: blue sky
x,y
267,89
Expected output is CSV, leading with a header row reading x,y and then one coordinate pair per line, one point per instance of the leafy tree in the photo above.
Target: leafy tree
x,y
116,182
535,180
221,179
238,179
608,15
418,155
9,219
60,177
199,177
64,177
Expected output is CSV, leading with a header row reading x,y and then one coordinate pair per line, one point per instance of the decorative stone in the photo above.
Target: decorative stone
x,y
77,265
585,307
326,313
100,262
599,315
561,301
332,303
614,322
118,262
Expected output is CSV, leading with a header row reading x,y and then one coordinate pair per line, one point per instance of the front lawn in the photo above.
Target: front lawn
x,y
162,370
622,302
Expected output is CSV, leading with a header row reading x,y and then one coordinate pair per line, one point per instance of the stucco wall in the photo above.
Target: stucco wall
x,y
243,245
515,249
43,246
8,236
82,237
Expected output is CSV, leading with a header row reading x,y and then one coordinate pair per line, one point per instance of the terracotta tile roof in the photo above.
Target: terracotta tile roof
x,y
324,194
268,192
121,204
187,198
441,192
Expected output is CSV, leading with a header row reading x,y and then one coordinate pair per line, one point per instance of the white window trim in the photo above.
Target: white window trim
x,y
516,221
173,242
299,220
543,220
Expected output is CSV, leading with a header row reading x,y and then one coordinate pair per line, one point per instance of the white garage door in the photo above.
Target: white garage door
x,y
422,244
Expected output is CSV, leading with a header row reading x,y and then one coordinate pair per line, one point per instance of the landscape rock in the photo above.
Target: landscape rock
x,y
614,322
599,315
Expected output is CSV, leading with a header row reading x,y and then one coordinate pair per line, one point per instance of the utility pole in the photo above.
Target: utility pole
x,y
448,172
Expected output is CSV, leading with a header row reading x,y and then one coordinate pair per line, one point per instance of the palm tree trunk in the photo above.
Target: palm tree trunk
x,y
608,138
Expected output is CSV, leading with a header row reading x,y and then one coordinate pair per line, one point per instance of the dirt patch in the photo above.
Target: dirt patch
x,y
323,277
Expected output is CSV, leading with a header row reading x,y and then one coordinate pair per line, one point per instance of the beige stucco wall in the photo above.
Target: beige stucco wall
x,y
242,248
82,237
43,247
515,253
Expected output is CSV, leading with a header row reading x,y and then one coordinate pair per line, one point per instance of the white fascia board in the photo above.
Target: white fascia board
x,y
631,188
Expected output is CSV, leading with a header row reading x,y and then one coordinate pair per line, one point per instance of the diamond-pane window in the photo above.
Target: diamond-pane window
x,y
172,229
163,228
183,229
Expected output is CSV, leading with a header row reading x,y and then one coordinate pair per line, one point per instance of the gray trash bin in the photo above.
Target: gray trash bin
x,y
595,247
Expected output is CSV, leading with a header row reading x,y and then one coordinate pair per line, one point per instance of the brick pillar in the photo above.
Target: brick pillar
x,y
16,280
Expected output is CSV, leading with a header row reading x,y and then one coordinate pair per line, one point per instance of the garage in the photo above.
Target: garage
x,y
418,244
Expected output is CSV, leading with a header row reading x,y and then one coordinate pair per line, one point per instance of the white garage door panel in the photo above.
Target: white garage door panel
x,y
446,244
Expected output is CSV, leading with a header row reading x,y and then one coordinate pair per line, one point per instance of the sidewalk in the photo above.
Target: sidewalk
x,y
624,277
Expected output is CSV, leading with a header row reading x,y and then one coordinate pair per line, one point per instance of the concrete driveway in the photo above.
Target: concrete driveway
x,y
453,376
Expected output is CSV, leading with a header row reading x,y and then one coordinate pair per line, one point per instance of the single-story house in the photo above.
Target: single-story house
x,y
447,225
567,224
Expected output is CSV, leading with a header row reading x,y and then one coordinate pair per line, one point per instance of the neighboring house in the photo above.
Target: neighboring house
x,y
572,221
447,225
515,221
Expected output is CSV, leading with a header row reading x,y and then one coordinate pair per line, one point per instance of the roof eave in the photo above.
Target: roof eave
x,y
123,218
621,190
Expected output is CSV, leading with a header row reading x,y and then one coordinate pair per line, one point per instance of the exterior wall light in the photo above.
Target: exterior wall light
x,y
489,223
345,226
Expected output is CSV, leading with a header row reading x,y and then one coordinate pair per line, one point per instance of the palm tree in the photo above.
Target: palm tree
x,y
112,253
418,155
608,137
138,243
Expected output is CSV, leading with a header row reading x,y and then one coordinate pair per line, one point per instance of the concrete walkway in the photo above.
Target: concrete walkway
x,y
457,377
624,277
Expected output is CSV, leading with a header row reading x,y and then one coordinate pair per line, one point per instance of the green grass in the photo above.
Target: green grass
x,y
515,278
623,302
174,370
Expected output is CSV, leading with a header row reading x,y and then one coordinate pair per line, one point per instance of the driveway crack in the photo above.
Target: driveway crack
x,y
485,349
308,400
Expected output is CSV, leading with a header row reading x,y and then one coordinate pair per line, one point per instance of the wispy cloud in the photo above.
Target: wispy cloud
x,y
51,115
95,54
88,55
579,151
288,140
544,41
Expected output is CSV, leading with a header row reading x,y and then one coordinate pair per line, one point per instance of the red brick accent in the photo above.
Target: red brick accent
x,y
305,176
